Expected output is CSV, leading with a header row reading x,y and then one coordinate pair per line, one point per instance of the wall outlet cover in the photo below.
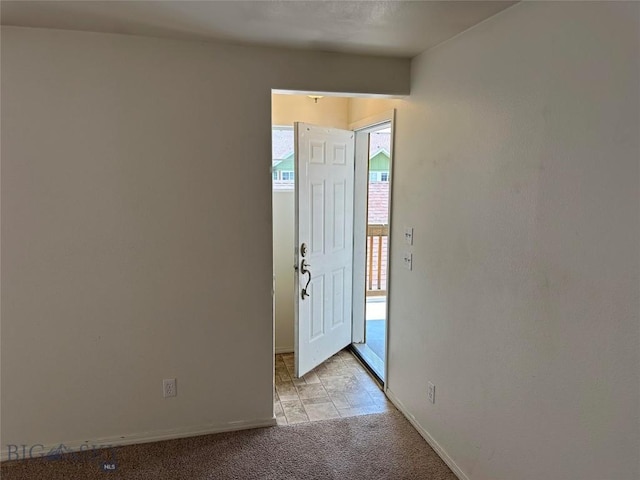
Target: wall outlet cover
x,y
169,387
431,392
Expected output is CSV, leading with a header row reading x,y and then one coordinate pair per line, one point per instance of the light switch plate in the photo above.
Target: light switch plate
x,y
408,235
408,261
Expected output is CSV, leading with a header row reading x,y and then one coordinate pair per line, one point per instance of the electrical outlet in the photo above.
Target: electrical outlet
x,y
169,387
408,261
431,392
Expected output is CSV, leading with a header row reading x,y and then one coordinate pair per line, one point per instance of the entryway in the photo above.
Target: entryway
x,y
340,387
325,298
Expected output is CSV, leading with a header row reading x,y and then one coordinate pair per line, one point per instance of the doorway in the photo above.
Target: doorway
x,y
332,113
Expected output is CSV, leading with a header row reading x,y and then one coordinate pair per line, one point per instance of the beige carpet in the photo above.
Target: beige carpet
x,y
379,446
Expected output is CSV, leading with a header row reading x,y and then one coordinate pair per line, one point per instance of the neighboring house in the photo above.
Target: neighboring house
x,y
379,156
379,166
282,147
283,169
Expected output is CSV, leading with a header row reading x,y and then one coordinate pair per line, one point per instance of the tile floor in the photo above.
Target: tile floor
x,y
340,387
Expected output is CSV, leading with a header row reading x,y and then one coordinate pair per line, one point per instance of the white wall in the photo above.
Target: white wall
x,y
136,229
283,248
285,110
517,163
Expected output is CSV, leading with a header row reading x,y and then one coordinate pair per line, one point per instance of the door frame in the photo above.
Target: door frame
x,y
366,126
370,121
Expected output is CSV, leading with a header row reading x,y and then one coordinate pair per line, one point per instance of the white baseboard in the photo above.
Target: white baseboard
x,y
430,440
145,437
284,349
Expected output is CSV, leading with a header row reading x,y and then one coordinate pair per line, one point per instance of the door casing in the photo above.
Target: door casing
x,y
362,129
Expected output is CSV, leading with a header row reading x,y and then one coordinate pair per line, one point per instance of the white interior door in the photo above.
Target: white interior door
x,y
324,225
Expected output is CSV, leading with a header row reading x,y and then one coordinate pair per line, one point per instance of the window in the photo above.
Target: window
x,y
378,176
282,161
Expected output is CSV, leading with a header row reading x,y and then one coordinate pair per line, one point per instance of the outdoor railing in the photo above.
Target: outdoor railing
x,y
377,236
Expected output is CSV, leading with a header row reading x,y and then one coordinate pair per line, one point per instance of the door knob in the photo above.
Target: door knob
x,y
304,269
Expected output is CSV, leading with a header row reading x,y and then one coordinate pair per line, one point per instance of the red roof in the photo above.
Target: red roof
x,y
378,203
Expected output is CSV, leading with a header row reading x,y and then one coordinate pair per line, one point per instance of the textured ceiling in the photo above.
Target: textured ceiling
x,y
396,28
